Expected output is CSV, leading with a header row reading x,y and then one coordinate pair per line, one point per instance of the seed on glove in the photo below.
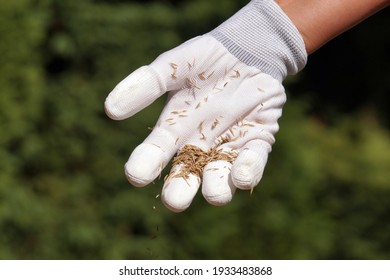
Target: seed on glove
x,y
203,76
191,83
193,159
200,126
174,67
178,112
190,65
236,74
215,123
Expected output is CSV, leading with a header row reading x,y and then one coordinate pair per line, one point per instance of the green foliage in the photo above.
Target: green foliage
x,y
63,194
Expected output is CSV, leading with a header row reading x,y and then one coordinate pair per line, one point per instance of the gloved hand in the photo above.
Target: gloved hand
x,y
225,97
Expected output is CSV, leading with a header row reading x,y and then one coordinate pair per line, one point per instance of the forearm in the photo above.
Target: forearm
x,y
319,21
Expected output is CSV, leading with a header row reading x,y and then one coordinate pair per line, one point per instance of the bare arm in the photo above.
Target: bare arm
x,y
319,21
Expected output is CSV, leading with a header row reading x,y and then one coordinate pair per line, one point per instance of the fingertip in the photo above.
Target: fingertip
x,y
144,165
112,111
178,192
248,168
217,188
134,93
244,179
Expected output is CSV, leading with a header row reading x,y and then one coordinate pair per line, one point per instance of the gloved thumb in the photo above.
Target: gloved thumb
x,y
137,91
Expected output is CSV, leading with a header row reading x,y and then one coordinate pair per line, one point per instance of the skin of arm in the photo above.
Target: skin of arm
x,y
319,21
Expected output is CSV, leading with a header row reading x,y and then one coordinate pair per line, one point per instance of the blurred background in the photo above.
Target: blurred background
x,y
63,194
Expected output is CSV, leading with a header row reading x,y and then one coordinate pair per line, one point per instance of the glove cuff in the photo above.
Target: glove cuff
x,y
261,35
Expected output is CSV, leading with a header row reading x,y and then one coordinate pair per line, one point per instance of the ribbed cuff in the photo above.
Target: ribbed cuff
x,y
261,35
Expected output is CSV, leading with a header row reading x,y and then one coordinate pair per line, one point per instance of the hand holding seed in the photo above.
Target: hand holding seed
x,y
220,118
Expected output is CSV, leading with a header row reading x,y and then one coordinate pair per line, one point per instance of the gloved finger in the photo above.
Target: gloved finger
x,y
248,167
149,158
179,189
134,93
217,187
254,135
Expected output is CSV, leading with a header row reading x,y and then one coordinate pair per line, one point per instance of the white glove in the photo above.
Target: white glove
x,y
225,97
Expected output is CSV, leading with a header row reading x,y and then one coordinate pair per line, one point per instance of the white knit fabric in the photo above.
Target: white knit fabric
x,y
216,92
261,35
